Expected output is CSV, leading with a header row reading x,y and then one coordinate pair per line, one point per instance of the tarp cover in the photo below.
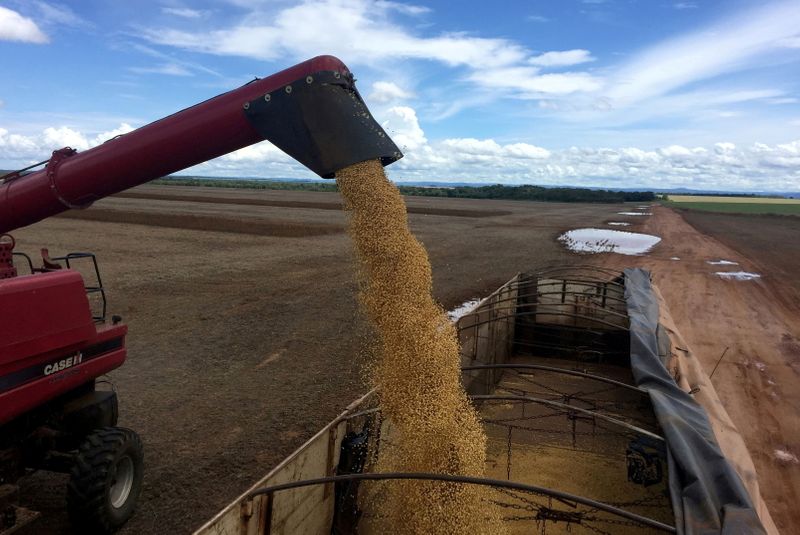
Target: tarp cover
x,y
707,494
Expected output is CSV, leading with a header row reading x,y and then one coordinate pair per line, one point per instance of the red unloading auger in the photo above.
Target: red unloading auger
x,y
311,111
53,346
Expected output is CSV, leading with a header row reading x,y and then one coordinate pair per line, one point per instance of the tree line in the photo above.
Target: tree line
x,y
497,191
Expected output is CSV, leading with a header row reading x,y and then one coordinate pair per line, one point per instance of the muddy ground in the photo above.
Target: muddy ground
x,y
245,339
755,324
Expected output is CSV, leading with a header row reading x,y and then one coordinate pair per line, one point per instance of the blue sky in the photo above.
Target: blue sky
x,y
618,93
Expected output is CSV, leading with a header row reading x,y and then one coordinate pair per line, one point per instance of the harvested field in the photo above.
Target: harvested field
x,y
242,345
250,200
772,243
736,205
754,323
264,227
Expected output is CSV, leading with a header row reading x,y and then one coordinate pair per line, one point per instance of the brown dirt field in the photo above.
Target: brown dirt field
x,y
757,321
242,345
772,241
178,193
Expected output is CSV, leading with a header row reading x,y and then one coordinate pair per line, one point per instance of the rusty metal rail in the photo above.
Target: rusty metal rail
x,y
486,482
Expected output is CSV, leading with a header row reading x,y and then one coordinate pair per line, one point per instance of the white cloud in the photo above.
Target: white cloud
x,y
526,151
303,30
684,5
264,151
58,14
14,146
375,38
791,42
723,147
102,137
384,92
15,27
488,150
169,69
728,46
402,125
401,7
20,149
562,58
723,165
537,18
782,100
185,12
528,83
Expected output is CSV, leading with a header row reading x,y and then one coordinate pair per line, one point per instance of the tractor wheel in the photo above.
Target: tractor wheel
x,y
105,480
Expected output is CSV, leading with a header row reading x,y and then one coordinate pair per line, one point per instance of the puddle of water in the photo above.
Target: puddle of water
x,y
737,275
463,309
634,213
786,456
722,262
595,240
618,224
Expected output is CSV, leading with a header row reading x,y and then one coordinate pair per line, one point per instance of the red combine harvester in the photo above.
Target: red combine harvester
x,y
54,345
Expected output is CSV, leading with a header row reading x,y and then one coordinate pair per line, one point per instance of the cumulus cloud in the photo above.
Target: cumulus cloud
x,y
384,92
488,150
15,27
18,150
562,58
403,127
722,165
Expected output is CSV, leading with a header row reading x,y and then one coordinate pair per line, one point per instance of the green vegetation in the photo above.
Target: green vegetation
x,y
740,204
754,207
748,199
498,191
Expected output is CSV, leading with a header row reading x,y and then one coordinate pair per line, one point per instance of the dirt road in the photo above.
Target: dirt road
x,y
756,324
244,342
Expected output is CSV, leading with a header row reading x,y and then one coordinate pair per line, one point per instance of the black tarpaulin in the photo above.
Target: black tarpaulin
x,y
707,494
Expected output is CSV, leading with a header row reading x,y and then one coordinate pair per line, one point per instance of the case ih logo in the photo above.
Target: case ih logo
x,y
63,364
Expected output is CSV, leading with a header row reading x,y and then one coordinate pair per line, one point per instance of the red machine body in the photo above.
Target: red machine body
x,y
49,342
207,130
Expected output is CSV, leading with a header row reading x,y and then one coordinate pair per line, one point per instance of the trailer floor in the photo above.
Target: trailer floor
x,y
538,445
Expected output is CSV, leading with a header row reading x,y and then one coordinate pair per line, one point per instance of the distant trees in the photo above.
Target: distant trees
x,y
497,191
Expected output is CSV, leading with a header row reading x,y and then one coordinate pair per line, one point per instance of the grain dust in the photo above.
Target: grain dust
x,y
434,426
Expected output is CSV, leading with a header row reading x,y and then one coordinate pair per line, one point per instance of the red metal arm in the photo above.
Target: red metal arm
x,y
207,130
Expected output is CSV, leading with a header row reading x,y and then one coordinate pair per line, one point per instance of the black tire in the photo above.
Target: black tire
x,y
98,502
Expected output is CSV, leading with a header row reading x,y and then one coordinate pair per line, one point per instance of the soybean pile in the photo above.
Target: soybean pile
x,y
434,428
